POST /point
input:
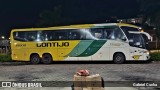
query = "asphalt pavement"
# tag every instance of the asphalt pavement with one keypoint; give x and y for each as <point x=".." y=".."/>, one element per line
<point x="64" y="71"/>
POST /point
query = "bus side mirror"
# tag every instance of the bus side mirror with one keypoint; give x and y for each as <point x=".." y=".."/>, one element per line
<point x="131" y="40"/>
<point x="124" y="38"/>
<point x="138" y="44"/>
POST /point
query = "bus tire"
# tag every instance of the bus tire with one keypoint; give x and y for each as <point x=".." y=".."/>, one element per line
<point x="47" y="59"/>
<point x="119" y="58"/>
<point x="35" y="59"/>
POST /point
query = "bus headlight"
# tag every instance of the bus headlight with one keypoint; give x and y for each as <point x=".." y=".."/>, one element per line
<point x="147" y="52"/>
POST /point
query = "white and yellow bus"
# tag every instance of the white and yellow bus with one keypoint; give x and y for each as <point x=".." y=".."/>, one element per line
<point x="96" y="42"/>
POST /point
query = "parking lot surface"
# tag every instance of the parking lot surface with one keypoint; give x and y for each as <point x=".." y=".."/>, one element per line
<point x="64" y="71"/>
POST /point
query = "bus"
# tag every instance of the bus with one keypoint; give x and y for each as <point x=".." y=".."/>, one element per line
<point x="117" y="42"/>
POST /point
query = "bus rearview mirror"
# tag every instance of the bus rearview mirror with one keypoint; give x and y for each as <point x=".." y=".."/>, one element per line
<point x="138" y="43"/>
<point x="124" y="39"/>
<point x="131" y="40"/>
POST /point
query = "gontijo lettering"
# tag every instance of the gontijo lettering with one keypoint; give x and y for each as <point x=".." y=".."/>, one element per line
<point x="53" y="44"/>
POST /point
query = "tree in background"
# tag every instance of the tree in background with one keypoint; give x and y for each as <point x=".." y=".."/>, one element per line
<point x="50" y="17"/>
<point x="151" y="11"/>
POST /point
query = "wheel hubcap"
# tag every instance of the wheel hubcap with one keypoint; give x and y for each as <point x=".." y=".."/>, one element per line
<point x="118" y="58"/>
<point x="35" y="59"/>
<point x="46" y="59"/>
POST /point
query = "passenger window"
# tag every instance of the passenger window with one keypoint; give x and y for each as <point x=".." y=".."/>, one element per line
<point x="116" y="34"/>
<point x="31" y="36"/>
<point x="50" y="35"/>
<point x="82" y="33"/>
<point x="107" y="33"/>
<point x="43" y="35"/>
<point x="61" y="35"/>
<point x="94" y="34"/>
<point x="25" y="36"/>
<point x="74" y="35"/>
<point x="97" y="33"/>
<point x="19" y="36"/>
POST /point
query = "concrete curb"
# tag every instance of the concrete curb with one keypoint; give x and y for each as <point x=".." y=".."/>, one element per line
<point x="29" y="63"/>
<point x="14" y="63"/>
<point x="153" y="51"/>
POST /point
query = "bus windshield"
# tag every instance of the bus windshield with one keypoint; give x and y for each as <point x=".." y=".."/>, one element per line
<point x="136" y="40"/>
<point x="135" y="37"/>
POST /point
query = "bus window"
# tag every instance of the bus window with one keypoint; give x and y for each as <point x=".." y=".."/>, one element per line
<point x="124" y="28"/>
<point x="97" y="33"/>
<point x="43" y="35"/>
<point x="82" y="34"/>
<point x="50" y="35"/>
<point x="25" y="36"/>
<point x="94" y="34"/>
<point x="74" y="35"/>
<point x="117" y="34"/>
<point x="31" y="36"/>
<point x="19" y="36"/>
<point x="61" y="35"/>
<point x="107" y="33"/>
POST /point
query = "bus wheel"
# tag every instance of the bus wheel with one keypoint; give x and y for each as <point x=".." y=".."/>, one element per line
<point x="119" y="58"/>
<point x="35" y="59"/>
<point x="46" y="59"/>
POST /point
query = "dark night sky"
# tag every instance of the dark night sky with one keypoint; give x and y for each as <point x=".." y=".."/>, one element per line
<point x="25" y="13"/>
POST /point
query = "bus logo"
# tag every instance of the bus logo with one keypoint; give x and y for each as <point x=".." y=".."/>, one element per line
<point x="53" y="44"/>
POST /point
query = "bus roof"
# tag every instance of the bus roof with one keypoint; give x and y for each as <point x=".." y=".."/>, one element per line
<point x="129" y="25"/>
<point x="76" y="26"/>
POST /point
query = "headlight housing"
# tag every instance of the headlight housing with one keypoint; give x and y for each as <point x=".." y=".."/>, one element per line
<point x="147" y="52"/>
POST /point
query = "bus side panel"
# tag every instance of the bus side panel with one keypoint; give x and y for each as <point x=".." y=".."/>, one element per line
<point x="102" y="53"/>
<point x="49" y="50"/>
<point x="20" y="54"/>
<point x="119" y="46"/>
<point x="137" y="54"/>
<point x="61" y="51"/>
<point x="20" y="51"/>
